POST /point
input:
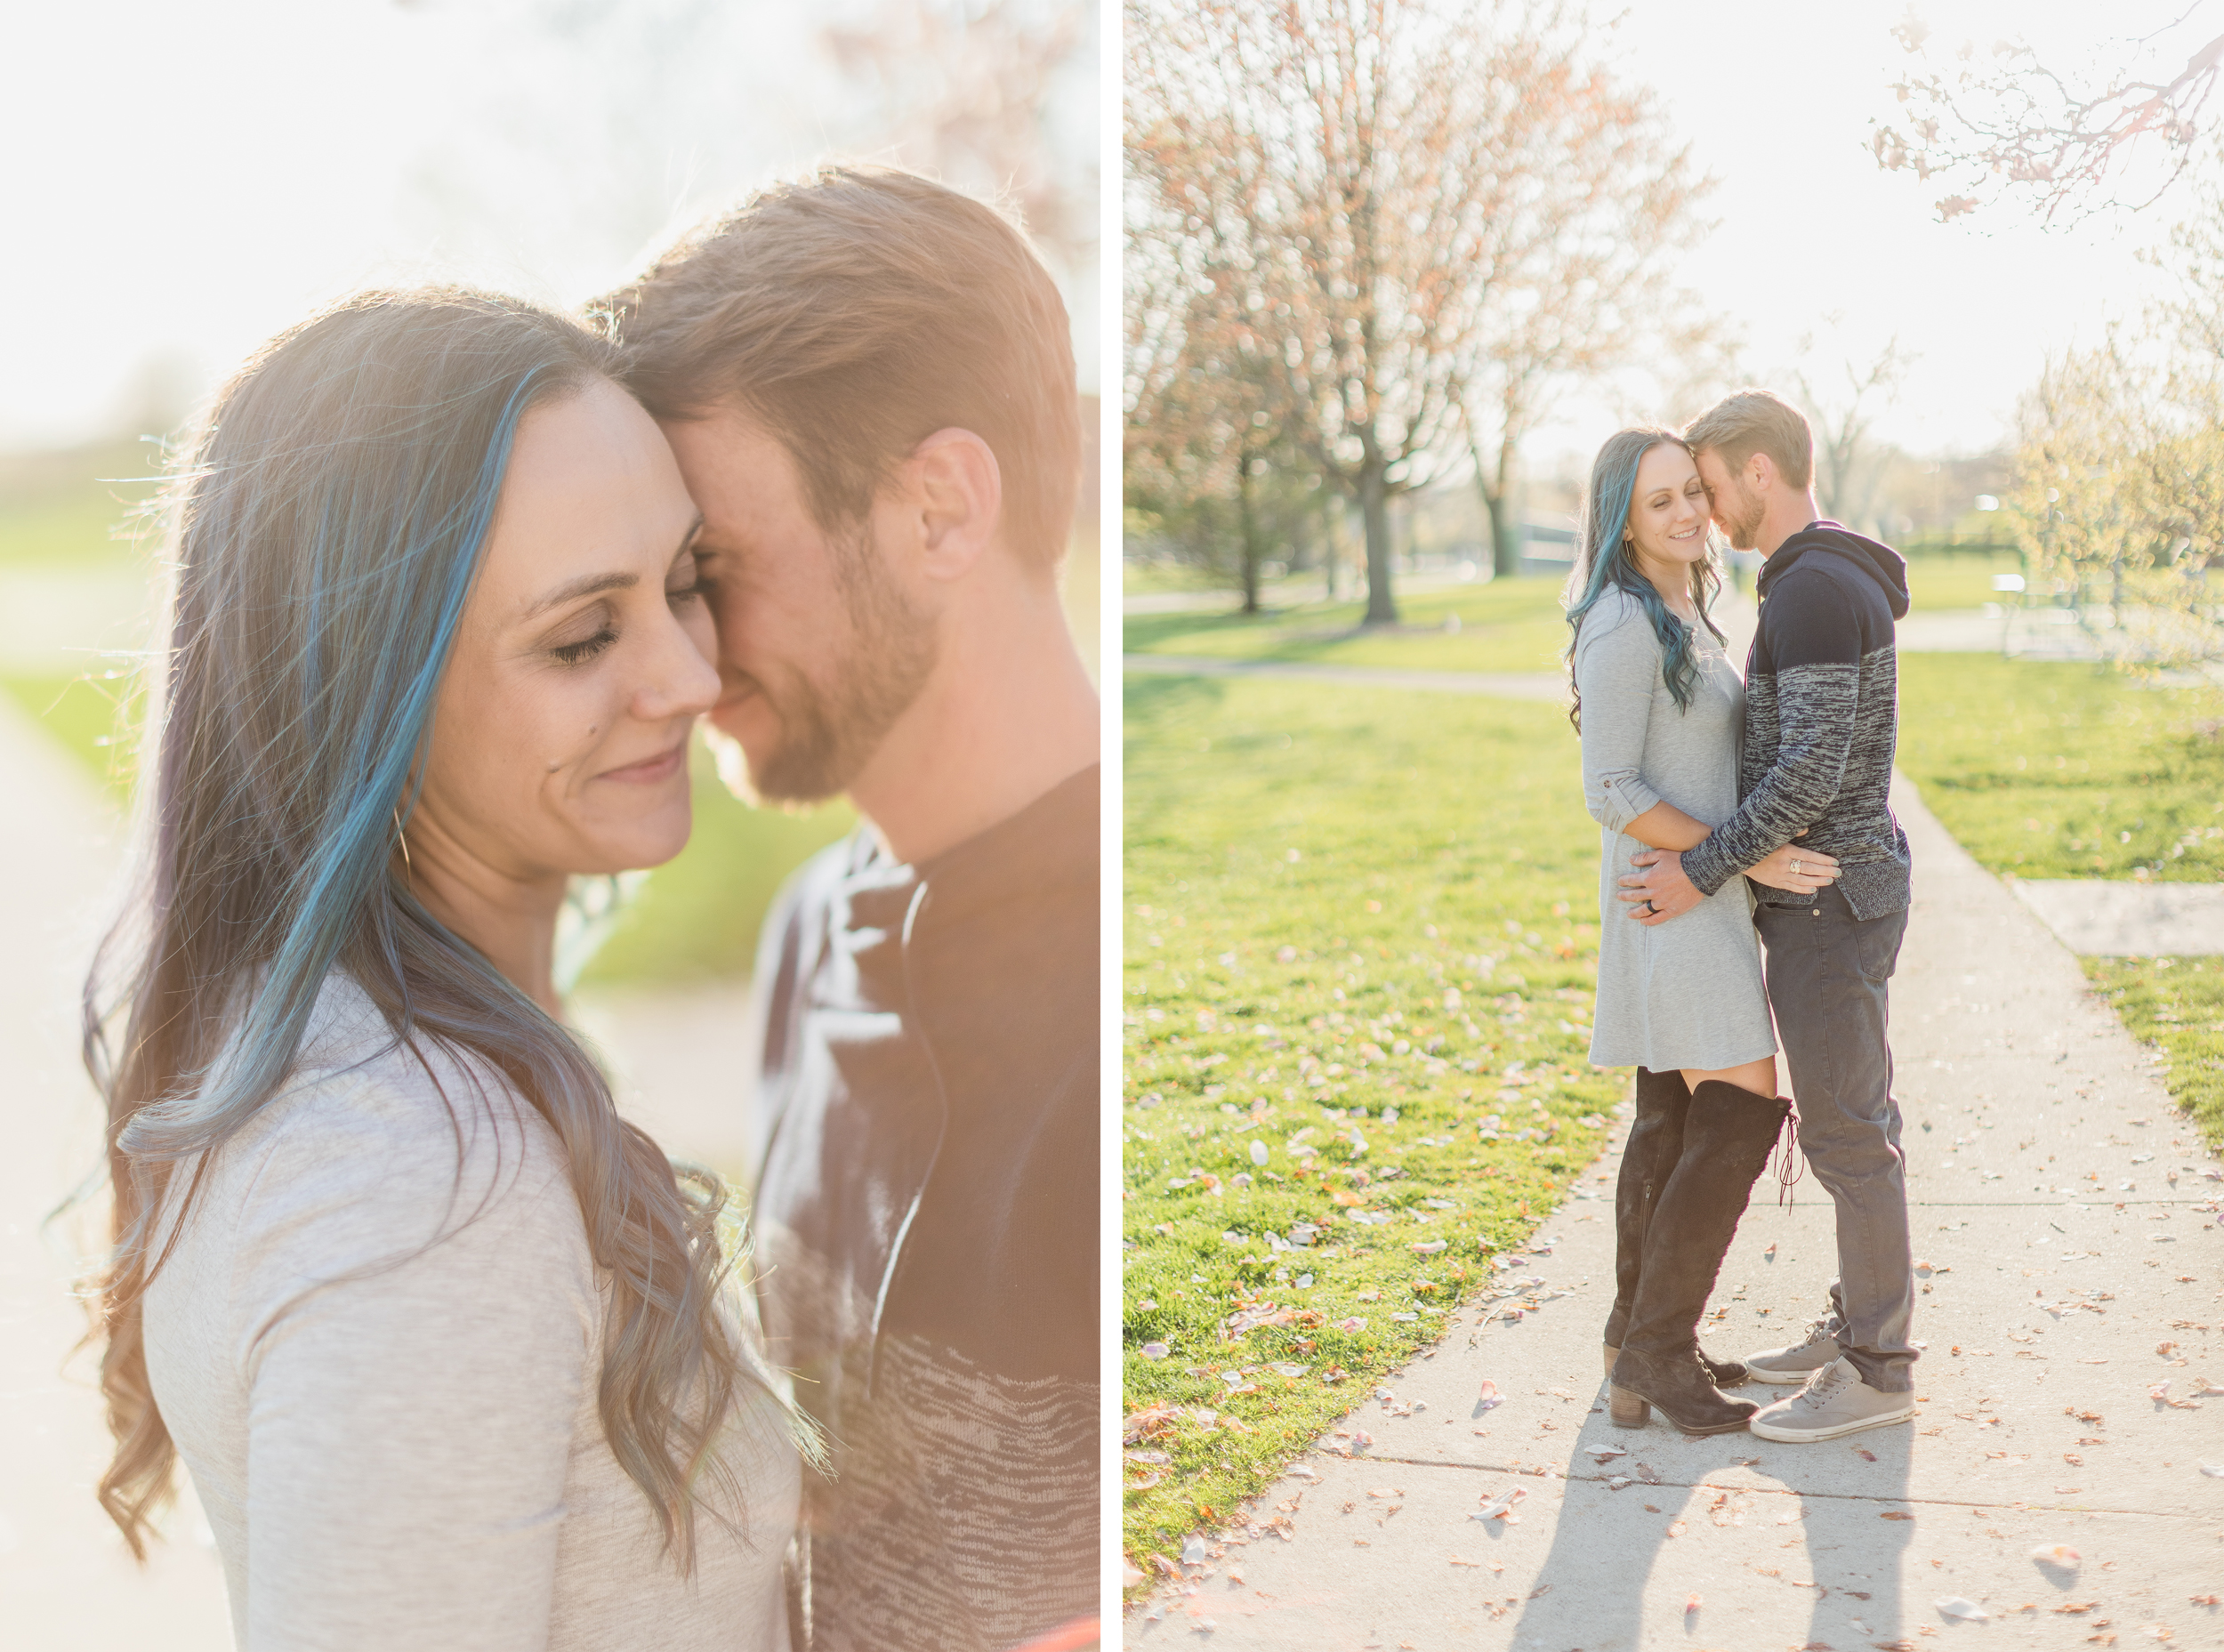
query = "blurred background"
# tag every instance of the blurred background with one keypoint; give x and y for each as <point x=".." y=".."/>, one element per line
<point x="194" y="179"/>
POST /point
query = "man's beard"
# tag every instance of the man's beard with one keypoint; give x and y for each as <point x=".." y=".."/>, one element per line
<point x="1744" y="524"/>
<point x="829" y="733"/>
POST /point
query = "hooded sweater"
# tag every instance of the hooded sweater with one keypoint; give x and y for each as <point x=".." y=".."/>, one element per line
<point x="1822" y="720"/>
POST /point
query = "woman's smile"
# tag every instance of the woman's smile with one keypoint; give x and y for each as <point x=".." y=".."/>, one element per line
<point x="651" y="770"/>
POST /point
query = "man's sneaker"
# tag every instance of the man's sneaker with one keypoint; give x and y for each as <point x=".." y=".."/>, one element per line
<point x="1835" y="1401"/>
<point x="1801" y="1360"/>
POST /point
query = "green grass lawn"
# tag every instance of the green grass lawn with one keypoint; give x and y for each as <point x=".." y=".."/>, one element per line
<point x="1942" y="583"/>
<point x="1141" y="578"/>
<point x="2047" y="771"/>
<point x="86" y="712"/>
<point x="2061" y="770"/>
<point x="1512" y="625"/>
<point x="2176" y="1006"/>
<point x="1361" y="931"/>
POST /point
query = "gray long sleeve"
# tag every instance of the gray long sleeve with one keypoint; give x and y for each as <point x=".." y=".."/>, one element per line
<point x="377" y="1344"/>
<point x="1815" y="706"/>
<point x="1617" y="672"/>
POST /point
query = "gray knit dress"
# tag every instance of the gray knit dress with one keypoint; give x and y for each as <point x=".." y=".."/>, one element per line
<point x="1687" y="993"/>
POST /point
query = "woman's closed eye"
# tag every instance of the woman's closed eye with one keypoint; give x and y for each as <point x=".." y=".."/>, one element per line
<point x="584" y="649"/>
<point x="583" y="635"/>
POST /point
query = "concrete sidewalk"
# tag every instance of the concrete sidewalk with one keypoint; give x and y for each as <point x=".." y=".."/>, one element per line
<point x="2065" y="1214"/>
<point x="1505" y="685"/>
<point x="67" y="1583"/>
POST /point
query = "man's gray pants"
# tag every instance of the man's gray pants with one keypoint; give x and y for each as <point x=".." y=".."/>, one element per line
<point x="1828" y="974"/>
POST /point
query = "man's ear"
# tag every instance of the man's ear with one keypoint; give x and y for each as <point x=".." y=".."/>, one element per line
<point x="958" y="490"/>
<point x="1761" y="472"/>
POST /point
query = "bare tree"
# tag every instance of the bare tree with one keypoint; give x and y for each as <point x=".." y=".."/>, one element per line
<point x="1206" y="436"/>
<point x="966" y="89"/>
<point x="1401" y="193"/>
<point x="1594" y="295"/>
<point x="1849" y="462"/>
<point x="2069" y="139"/>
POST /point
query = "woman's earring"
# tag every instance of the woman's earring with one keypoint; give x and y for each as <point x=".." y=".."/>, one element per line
<point x="402" y="838"/>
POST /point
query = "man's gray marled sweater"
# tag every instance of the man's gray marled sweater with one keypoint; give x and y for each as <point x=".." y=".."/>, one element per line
<point x="1822" y="720"/>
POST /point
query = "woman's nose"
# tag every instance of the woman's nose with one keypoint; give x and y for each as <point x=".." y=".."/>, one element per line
<point x="680" y="682"/>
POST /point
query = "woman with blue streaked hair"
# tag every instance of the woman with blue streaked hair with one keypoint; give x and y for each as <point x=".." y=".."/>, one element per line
<point x="1660" y="709"/>
<point x="451" y="1350"/>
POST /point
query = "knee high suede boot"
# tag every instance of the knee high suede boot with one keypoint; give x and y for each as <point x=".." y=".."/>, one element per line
<point x="1727" y="1136"/>
<point x="1649" y="1158"/>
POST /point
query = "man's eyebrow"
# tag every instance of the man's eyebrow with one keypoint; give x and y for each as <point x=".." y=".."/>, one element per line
<point x="585" y="586"/>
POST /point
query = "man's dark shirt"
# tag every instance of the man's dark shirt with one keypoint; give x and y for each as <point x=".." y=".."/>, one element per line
<point x="1822" y="720"/>
<point x="926" y="1222"/>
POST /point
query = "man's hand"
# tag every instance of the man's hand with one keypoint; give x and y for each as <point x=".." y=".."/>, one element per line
<point x="1662" y="891"/>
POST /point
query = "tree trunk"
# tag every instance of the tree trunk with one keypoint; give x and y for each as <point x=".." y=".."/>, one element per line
<point x="1248" y="516"/>
<point x="1505" y="533"/>
<point x="1381" y="605"/>
<point x="1331" y="537"/>
<point x="1506" y="536"/>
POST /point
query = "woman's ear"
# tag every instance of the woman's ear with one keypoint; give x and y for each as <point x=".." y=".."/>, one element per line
<point x="959" y="491"/>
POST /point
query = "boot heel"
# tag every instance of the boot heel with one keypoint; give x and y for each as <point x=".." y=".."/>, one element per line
<point x="1626" y="1410"/>
<point x="1613" y="1354"/>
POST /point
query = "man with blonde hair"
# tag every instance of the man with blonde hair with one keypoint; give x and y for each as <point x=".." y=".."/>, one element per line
<point x="868" y="381"/>
<point x="1821" y="722"/>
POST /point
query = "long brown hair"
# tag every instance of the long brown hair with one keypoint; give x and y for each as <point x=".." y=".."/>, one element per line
<point x="329" y="525"/>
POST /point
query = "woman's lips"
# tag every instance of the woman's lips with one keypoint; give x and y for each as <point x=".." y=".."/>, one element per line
<point x="650" y="770"/>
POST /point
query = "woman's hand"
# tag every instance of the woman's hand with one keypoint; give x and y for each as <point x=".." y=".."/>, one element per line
<point x="1802" y="871"/>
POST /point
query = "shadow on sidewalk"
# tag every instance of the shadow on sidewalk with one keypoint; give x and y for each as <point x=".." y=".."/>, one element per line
<point x="1856" y="1542"/>
<point x="1723" y="1523"/>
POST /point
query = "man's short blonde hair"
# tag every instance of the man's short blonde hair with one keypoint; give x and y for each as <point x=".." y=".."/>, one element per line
<point x="1747" y="422"/>
<point x="854" y="314"/>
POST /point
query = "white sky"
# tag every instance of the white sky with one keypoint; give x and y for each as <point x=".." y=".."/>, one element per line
<point x="1776" y="97"/>
<point x="185" y="181"/>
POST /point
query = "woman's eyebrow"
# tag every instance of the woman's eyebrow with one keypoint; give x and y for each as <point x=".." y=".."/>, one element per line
<point x="585" y="586"/>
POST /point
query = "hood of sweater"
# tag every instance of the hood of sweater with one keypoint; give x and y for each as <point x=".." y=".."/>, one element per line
<point x="1839" y="543"/>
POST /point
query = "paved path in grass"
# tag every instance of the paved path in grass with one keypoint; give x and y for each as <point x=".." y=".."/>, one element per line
<point x="1283" y="593"/>
<point x="2119" y="918"/>
<point x="2067" y="1217"/>
<point x="67" y="1584"/>
<point x="1512" y="685"/>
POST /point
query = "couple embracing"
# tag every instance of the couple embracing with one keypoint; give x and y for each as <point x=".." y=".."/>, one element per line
<point x="456" y="1357"/>
<point x="1742" y="817"/>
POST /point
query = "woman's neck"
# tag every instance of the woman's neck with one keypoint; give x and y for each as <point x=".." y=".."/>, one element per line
<point x="1674" y="582"/>
<point x="511" y="920"/>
